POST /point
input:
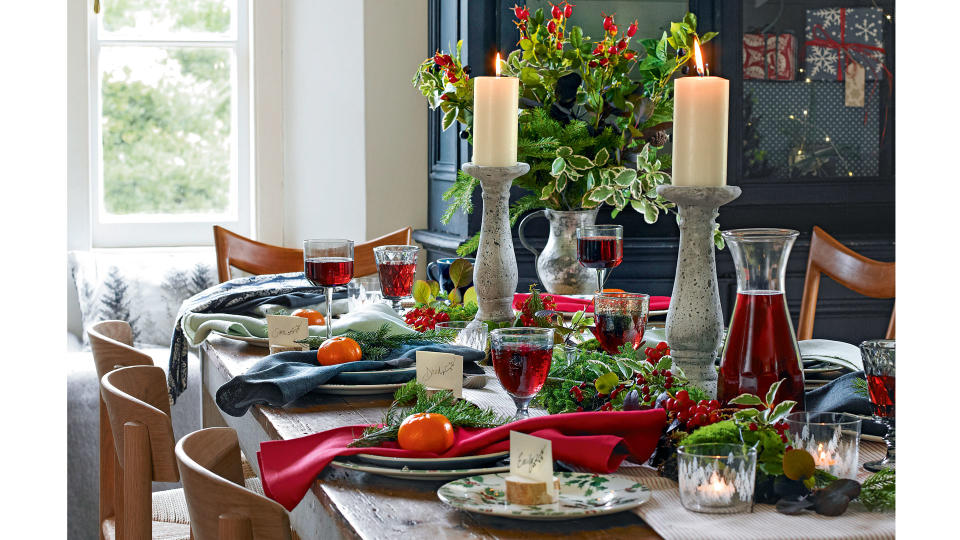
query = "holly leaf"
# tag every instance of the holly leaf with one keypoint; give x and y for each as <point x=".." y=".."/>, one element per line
<point x="461" y="272"/>
<point x="579" y="162"/>
<point x="772" y="392"/>
<point x="746" y="399"/>
<point x="449" y="118"/>
<point x="564" y="151"/>
<point x="780" y="412"/>
<point x="601" y="193"/>
<point x="601" y="158"/>
<point x="558" y="166"/>
<point x="626" y="177"/>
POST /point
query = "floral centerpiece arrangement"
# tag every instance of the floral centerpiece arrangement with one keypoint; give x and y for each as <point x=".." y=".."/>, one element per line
<point x="593" y="112"/>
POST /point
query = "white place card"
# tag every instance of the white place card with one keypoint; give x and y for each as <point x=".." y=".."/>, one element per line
<point x="284" y="330"/>
<point x="532" y="458"/>
<point x="443" y="371"/>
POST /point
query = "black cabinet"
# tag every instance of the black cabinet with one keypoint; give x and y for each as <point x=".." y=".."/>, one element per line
<point x="850" y="196"/>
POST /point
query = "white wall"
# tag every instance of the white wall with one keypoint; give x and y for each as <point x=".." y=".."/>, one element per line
<point x="355" y="130"/>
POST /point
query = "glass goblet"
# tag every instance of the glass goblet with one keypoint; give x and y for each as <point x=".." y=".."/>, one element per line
<point x="521" y="358"/>
<point x="600" y="247"/>
<point x="879" y="366"/>
<point x="396" y="266"/>
<point x="619" y="319"/>
<point x="328" y="264"/>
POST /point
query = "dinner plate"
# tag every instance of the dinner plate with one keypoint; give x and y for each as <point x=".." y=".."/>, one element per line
<point x="358" y="389"/>
<point x="581" y="495"/>
<point x="407" y="473"/>
<point x="255" y="341"/>
<point x="351" y="378"/>
<point x="462" y="462"/>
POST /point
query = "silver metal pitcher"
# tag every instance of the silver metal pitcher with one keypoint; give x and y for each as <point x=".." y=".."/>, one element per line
<point x="557" y="266"/>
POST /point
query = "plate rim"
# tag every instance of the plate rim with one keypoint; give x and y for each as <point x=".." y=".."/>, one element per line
<point x="395" y="459"/>
<point x="375" y="388"/>
<point x="571" y="514"/>
<point x="432" y="474"/>
<point x="253" y="340"/>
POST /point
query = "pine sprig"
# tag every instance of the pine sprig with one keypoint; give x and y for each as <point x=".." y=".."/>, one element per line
<point x="879" y="492"/>
<point x="861" y="388"/>
<point x="412" y="398"/>
<point x="378" y="343"/>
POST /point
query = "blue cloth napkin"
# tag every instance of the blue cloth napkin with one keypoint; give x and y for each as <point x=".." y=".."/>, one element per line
<point x="237" y="296"/>
<point x="282" y="378"/>
<point x="839" y="395"/>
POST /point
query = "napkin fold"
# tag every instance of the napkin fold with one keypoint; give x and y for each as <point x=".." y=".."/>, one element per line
<point x="597" y="441"/>
<point x="279" y="379"/>
<point x="839" y="395"/>
<point x="570" y="304"/>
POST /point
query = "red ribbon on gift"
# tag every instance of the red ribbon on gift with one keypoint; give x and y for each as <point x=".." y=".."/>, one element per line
<point x="869" y="51"/>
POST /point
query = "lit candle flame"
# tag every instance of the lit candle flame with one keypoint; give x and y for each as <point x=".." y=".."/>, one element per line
<point x="823" y="458"/>
<point x="698" y="57"/>
<point x="498" y="65"/>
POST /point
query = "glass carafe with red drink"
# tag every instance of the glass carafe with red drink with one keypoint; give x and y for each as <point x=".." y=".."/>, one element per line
<point x="600" y="247"/>
<point x="761" y="346"/>
<point x="328" y="264"/>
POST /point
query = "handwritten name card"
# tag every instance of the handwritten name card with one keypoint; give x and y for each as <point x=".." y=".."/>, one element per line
<point x="443" y="371"/>
<point x="532" y="458"/>
<point x="284" y="331"/>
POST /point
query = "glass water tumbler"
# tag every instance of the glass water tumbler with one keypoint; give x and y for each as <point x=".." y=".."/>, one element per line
<point x="761" y="346"/>
<point x="833" y="439"/>
<point x="879" y="365"/>
<point x="396" y="266"/>
<point x="717" y="478"/>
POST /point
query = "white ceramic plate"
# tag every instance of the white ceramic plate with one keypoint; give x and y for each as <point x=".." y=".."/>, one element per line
<point x="418" y="474"/>
<point x="255" y="341"/>
<point x="358" y="389"/>
<point x="581" y="495"/>
<point x="462" y="462"/>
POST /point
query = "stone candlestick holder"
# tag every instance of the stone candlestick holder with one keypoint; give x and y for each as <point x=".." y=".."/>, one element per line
<point x="495" y="270"/>
<point x="694" y="321"/>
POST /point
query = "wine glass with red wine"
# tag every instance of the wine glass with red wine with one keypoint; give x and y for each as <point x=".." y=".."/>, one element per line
<point x="328" y="264"/>
<point x="396" y="266"/>
<point x="521" y="358"/>
<point x="619" y="319"/>
<point x="600" y="247"/>
<point x="879" y="366"/>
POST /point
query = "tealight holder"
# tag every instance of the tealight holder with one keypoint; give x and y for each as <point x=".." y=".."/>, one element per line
<point x="833" y="439"/>
<point x="717" y="478"/>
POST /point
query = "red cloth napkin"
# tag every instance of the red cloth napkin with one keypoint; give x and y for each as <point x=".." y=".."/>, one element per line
<point x="567" y="304"/>
<point x="599" y="441"/>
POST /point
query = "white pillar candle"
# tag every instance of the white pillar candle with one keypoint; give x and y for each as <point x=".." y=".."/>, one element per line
<point x="701" y="107"/>
<point x="495" y="103"/>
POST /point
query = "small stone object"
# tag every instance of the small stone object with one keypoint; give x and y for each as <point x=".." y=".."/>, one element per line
<point x="495" y="270"/>
<point x="695" y="322"/>
<point x="524" y="491"/>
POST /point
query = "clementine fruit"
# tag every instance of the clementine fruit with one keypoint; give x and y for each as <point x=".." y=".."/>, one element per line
<point x="338" y="350"/>
<point x="426" y="432"/>
<point x="312" y="316"/>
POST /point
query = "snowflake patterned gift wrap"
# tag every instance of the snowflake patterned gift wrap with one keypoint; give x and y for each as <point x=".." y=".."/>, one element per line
<point x="836" y="36"/>
<point x="778" y="52"/>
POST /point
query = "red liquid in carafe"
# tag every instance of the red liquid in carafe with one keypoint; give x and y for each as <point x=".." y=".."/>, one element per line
<point x="761" y="349"/>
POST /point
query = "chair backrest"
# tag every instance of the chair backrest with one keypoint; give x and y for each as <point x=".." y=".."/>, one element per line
<point x="209" y="462"/>
<point x="112" y="345"/>
<point x="861" y="274"/>
<point x="138" y="395"/>
<point x="251" y="256"/>
<point x="255" y="257"/>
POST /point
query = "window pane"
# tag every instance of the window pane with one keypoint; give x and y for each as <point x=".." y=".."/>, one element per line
<point x="153" y="19"/>
<point x="166" y="130"/>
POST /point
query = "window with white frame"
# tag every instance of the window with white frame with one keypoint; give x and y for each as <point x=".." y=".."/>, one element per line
<point x="169" y="121"/>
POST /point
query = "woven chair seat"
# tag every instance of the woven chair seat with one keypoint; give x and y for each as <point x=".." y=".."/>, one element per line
<point x="170" y="506"/>
<point x="160" y="530"/>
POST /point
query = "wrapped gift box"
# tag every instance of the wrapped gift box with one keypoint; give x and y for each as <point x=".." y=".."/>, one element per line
<point x="770" y="56"/>
<point x="835" y="36"/>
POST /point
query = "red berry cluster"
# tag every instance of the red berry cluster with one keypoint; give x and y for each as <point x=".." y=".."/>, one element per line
<point x="526" y="312"/>
<point x="780" y="426"/>
<point x="577" y="393"/>
<point x="423" y="319"/>
<point x="693" y="414"/>
<point x="445" y="61"/>
<point x="610" y="48"/>
<point x="655" y="354"/>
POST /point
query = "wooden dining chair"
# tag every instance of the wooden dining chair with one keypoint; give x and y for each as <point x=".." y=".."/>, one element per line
<point x="863" y="275"/>
<point x="257" y="258"/>
<point x="220" y="506"/>
<point x="138" y="408"/>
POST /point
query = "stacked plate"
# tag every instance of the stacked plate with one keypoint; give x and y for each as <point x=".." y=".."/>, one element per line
<point x="425" y="468"/>
<point x="824" y="360"/>
<point x="355" y="383"/>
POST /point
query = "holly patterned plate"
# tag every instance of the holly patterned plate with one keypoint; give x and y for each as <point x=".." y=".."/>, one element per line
<point x="581" y="495"/>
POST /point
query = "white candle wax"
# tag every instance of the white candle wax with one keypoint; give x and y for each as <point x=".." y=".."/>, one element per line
<point x="716" y="490"/>
<point x="700" y="111"/>
<point x="495" y="103"/>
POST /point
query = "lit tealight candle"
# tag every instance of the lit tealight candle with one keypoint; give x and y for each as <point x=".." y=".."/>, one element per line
<point x="495" y="104"/>
<point x="823" y="458"/>
<point x="700" y="111"/>
<point x="716" y="490"/>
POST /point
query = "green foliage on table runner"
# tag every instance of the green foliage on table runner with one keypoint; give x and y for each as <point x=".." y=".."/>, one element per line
<point x="879" y="492"/>
<point x="377" y="344"/>
<point x="412" y="398"/>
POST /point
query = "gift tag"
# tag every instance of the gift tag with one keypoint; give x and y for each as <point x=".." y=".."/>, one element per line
<point x="532" y="458"/>
<point x="284" y="331"/>
<point x="854" y="85"/>
<point x="443" y="371"/>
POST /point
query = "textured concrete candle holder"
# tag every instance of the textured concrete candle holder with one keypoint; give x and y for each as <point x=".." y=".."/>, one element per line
<point x="695" y="322"/>
<point x="495" y="271"/>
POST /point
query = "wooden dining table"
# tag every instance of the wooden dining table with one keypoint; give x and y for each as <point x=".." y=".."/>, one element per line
<point x="349" y="504"/>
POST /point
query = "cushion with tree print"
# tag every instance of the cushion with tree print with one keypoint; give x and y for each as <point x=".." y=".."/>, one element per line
<point x="144" y="287"/>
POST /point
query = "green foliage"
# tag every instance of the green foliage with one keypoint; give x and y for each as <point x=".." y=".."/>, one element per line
<point x="879" y="492"/>
<point x="412" y="398"/>
<point x="378" y="343"/>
